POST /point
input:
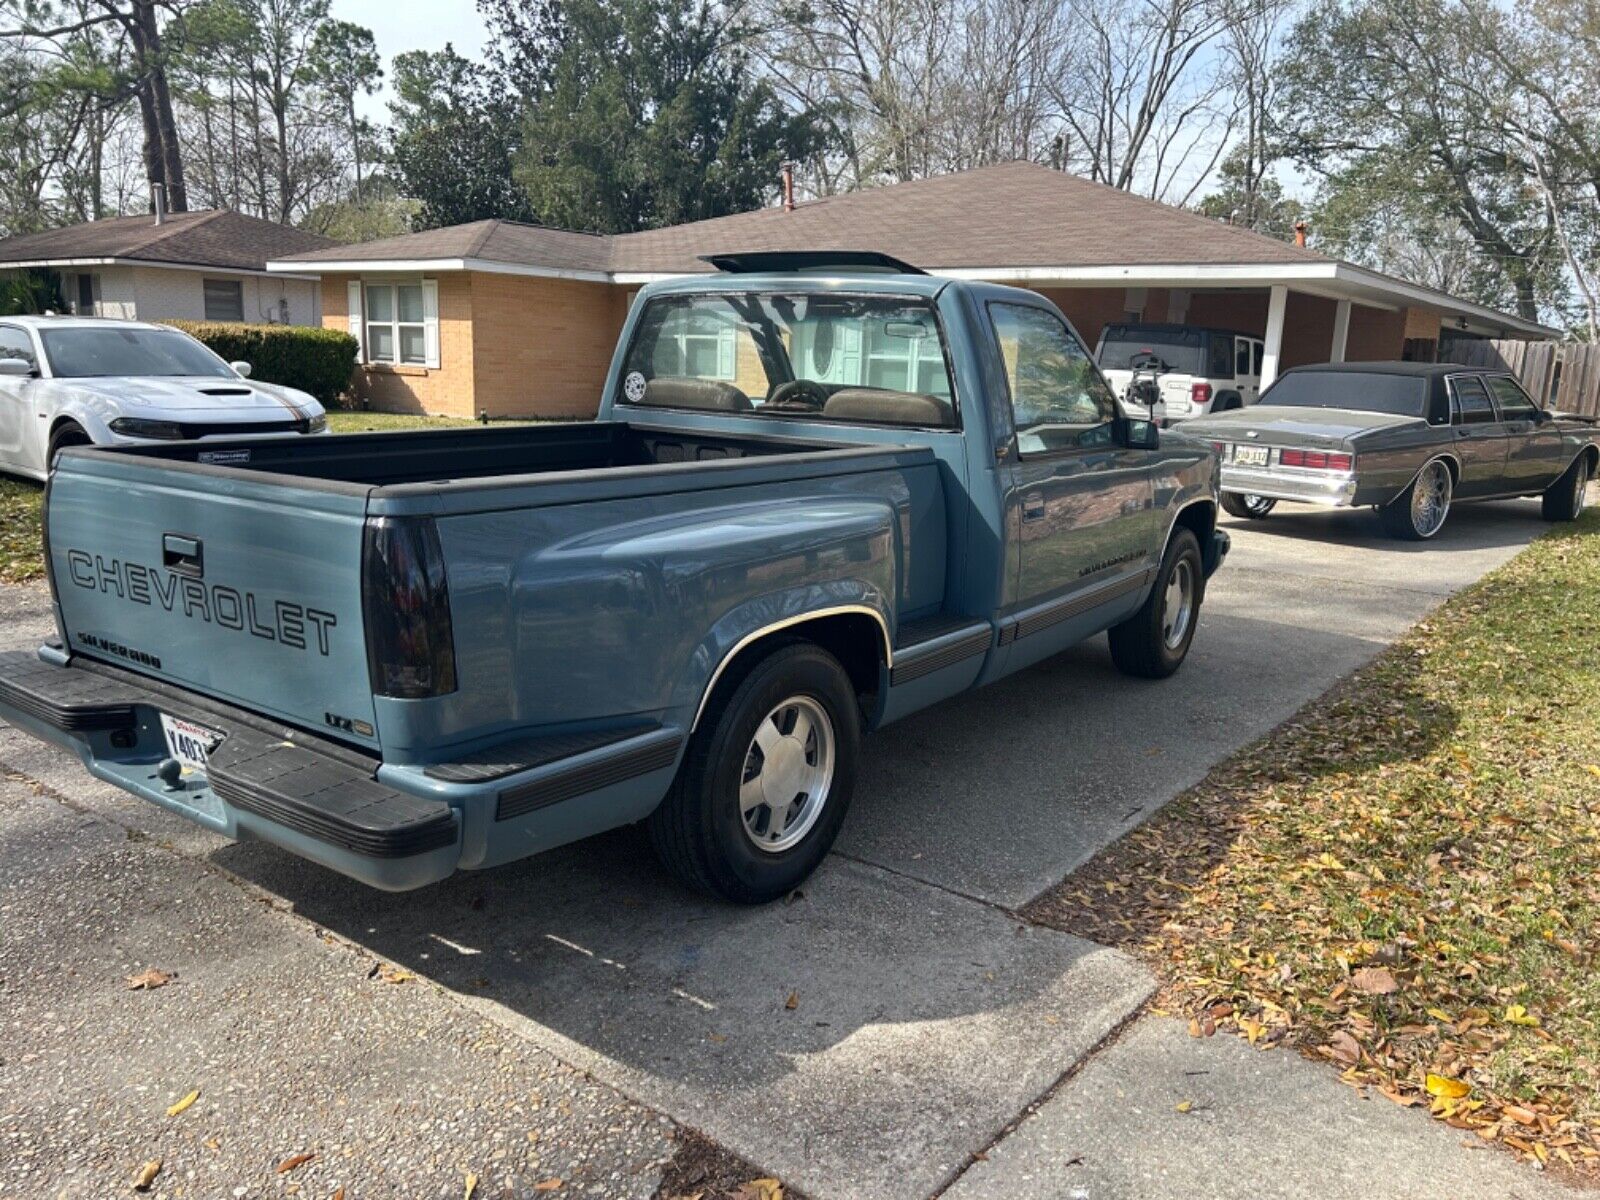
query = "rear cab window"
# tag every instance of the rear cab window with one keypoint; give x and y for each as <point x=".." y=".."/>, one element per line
<point x="865" y="359"/>
<point x="1059" y="399"/>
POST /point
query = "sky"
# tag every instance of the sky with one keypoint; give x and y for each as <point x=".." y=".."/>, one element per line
<point x="401" y="25"/>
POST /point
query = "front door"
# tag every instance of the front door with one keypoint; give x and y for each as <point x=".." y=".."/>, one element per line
<point x="1480" y="441"/>
<point x="16" y="399"/>
<point x="1533" y="447"/>
<point x="1083" y="505"/>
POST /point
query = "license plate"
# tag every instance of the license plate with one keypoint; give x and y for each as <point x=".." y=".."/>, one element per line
<point x="1250" y="456"/>
<point x="188" y="742"/>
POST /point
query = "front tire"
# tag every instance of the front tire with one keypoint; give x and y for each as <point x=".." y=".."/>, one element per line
<point x="1565" y="498"/>
<point x="1246" y="505"/>
<point x="767" y="779"/>
<point x="1419" y="512"/>
<point x="1153" y="643"/>
<point x="67" y="434"/>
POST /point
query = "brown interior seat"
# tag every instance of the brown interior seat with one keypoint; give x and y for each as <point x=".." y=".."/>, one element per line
<point x="673" y="391"/>
<point x="888" y="408"/>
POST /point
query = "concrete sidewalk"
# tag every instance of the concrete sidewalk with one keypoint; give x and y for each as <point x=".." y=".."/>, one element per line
<point x="928" y="1021"/>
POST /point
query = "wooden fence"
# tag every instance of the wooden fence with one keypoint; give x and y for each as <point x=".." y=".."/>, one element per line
<point x="1564" y="377"/>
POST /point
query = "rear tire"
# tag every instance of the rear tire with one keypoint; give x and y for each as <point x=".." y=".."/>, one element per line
<point x="1153" y="643"/>
<point x="1565" y="498"/>
<point x="67" y="434"/>
<point x="1419" y="512"/>
<point x="1247" y="506"/>
<point x="723" y="828"/>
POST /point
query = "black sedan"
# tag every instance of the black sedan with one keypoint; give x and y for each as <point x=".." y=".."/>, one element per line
<point x="1408" y="439"/>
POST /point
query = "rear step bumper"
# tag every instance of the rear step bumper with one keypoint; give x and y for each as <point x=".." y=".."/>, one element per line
<point x="318" y="799"/>
<point x="391" y="826"/>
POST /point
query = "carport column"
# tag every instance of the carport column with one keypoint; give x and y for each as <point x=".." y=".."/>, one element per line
<point x="1274" y="339"/>
<point x="1341" y="331"/>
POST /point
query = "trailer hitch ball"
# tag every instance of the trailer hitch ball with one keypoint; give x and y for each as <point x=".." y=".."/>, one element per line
<point x="171" y="773"/>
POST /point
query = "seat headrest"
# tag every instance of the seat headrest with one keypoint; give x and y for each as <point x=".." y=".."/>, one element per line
<point x="675" y="391"/>
<point x="888" y="408"/>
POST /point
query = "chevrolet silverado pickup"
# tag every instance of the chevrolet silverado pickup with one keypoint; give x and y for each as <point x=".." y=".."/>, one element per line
<point x="819" y="496"/>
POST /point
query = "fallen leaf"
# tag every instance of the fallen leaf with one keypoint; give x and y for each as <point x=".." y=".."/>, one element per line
<point x="793" y="1002"/>
<point x="760" y="1189"/>
<point x="293" y="1161"/>
<point x="338" y="1194"/>
<point x="547" y="1185"/>
<point x="1522" y="1116"/>
<point x="472" y="1185"/>
<point x="184" y="1103"/>
<point x="1374" y="981"/>
<point x="395" y="975"/>
<point x="147" y="1175"/>
<point x="1516" y="1014"/>
<point x="1592" y="769"/>
<point x="1345" y="1048"/>
<point x="1185" y="1105"/>
<point x="1447" y="1088"/>
<point x="149" y="980"/>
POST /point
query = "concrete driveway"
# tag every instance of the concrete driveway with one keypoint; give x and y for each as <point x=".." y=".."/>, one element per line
<point x="873" y="1036"/>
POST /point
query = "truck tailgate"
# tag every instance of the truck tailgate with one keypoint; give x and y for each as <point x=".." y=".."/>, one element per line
<point x="241" y="587"/>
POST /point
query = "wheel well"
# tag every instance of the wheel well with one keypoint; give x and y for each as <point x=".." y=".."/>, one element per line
<point x="1200" y="518"/>
<point x="62" y="423"/>
<point x="1592" y="453"/>
<point x="856" y="639"/>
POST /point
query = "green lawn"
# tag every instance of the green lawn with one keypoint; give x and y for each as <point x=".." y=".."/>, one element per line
<point x="1403" y="879"/>
<point x="19" y="500"/>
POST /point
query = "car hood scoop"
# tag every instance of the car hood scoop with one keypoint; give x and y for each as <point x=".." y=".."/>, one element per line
<point x="226" y="391"/>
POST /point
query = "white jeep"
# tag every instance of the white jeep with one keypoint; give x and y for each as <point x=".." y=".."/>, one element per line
<point x="1173" y="372"/>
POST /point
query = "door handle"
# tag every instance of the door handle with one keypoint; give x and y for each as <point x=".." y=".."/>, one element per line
<point x="183" y="555"/>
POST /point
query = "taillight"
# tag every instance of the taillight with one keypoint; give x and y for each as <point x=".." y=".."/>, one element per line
<point x="405" y="602"/>
<point x="1317" y="460"/>
<point x="1199" y="393"/>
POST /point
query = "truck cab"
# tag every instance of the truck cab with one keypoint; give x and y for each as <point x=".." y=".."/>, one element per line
<point x="822" y="492"/>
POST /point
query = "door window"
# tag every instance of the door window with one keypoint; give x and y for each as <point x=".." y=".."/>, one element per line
<point x="1470" y="401"/>
<point x="1241" y="356"/>
<point x="1513" y="401"/>
<point x="15" y="343"/>
<point x="1058" y="398"/>
<point x="1258" y="350"/>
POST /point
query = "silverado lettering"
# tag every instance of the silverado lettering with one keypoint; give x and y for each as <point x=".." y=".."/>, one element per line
<point x="275" y="621"/>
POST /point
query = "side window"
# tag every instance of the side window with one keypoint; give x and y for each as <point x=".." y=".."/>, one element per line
<point x="1241" y="356"/>
<point x="15" y="343"/>
<point x="1258" y="352"/>
<point x="1470" y="401"/>
<point x="1058" y="398"/>
<point x="1220" y="362"/>
<point x="1513" y="401"/>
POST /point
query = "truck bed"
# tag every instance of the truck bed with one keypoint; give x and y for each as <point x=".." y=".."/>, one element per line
<point x="482" y="453"/>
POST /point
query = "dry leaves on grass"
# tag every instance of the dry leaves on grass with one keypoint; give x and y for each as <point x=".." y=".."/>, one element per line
<point x="1401" y="879"/>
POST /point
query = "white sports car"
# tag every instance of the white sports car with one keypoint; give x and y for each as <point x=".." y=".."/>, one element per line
<point x="77" y="381"/>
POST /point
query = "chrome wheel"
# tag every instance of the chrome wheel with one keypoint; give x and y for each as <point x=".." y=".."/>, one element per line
<point x="788" y="770"/>
<point x="1177" y="606"/>
<point x="1430" y="499"/>
<point x="1259" y="506"/>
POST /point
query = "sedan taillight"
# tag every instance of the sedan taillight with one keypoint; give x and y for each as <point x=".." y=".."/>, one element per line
<point x="1316" y="460"/>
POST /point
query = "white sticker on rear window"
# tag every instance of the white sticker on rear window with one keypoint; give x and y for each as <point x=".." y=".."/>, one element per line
<point x="633" y="387"/>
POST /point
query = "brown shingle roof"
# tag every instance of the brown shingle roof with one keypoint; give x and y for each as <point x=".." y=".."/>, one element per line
<point x="210" y="238"/>
<point x="493" y="241"/>
<point x="1015" y="214"/>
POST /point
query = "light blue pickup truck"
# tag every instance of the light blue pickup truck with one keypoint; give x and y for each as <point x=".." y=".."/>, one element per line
<point x="823" y="492"/>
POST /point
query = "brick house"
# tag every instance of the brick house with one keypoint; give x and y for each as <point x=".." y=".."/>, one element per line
<point x="209" y="265"/>
<point x="507" y="319"/>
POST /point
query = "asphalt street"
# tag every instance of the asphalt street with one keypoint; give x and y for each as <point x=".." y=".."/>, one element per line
<point x="935" y="1043"/>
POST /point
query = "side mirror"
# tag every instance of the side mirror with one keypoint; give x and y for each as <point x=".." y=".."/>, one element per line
<point x="1134" y="433"/>
<point x="243" y="368"/>
<point x="16" y="367"/>
<point x="1542" y="415"/>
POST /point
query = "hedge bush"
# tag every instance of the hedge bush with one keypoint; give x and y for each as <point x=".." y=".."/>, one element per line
<point x="319" y="361"/>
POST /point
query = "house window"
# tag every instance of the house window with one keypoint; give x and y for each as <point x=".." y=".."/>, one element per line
<point x="88" y="293"/>
<point x="224" y="300"/>
<point x="396" y="331"/>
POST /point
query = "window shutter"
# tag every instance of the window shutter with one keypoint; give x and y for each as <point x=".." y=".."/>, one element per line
<point x="353" y="316"/>
<point x="430" y="321"/>
<point x="726" y="346"/>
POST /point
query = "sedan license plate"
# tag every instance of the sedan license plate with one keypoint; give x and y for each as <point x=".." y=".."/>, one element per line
<point x="1250" y="456"/>
<point x="188" y="742"/>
